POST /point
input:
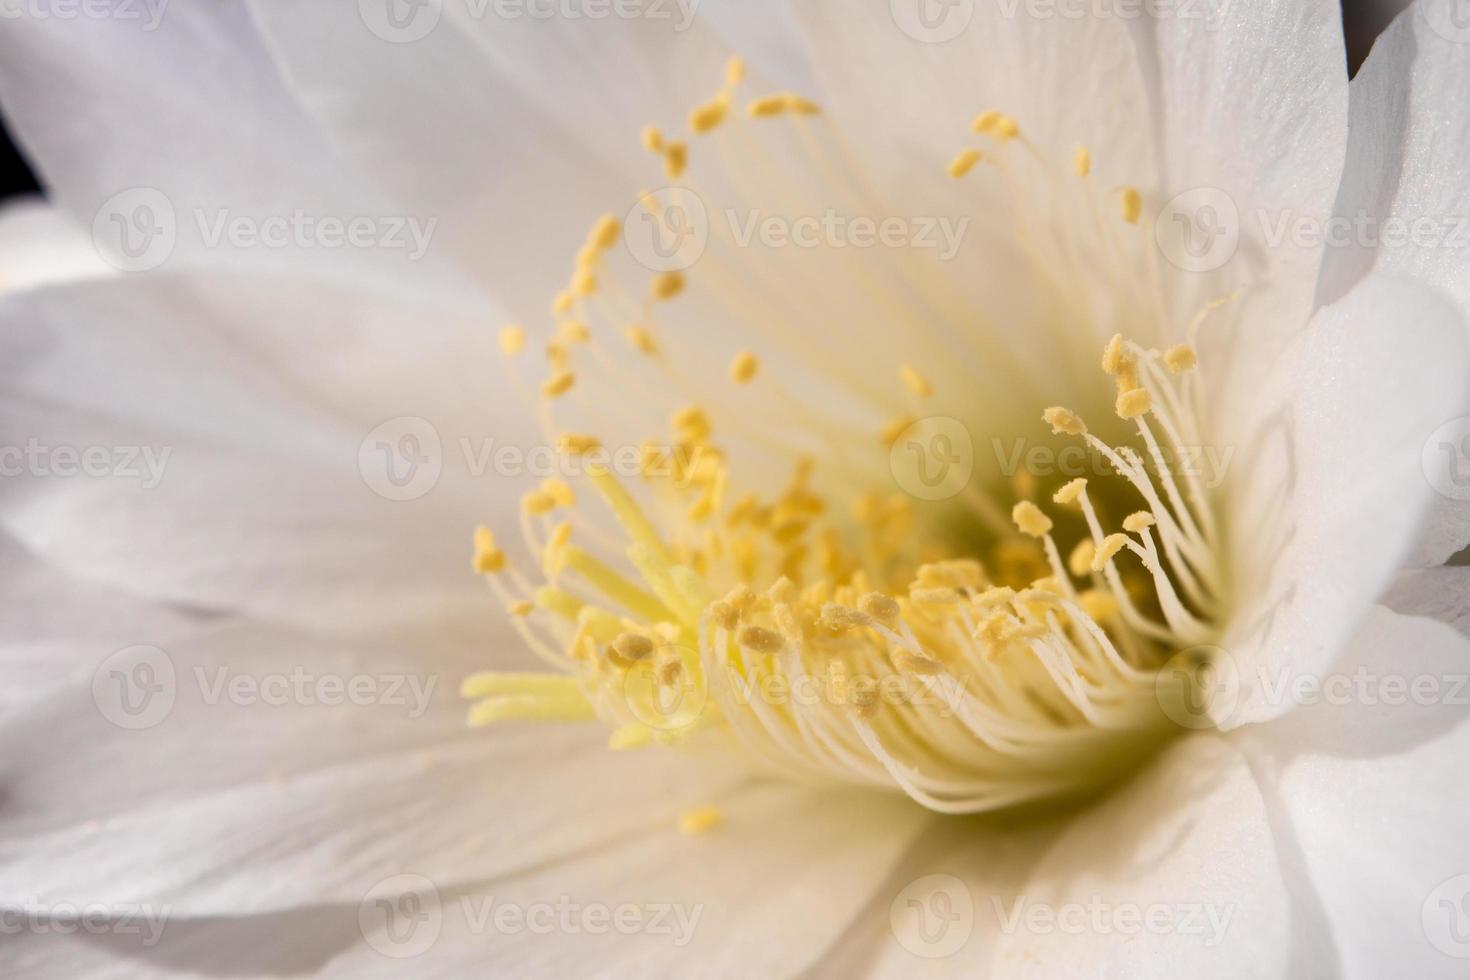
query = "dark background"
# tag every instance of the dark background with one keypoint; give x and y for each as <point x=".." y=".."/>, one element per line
<point x="1362" y="22"/>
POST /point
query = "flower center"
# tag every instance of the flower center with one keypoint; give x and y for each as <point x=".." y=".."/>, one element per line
<point x="836" y="629"/>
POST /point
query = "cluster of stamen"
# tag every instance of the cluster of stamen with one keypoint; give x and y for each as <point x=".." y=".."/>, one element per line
<point x="825" y="636"/>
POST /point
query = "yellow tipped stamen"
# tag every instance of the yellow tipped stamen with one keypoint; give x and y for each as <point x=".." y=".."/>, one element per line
<point x="1134" y="404"/>
<point x="559" y="492"/>
<point x="577" y="443"/>
<point x="537" y="503"/>
<point x="1080" y="561"/>
<point x="1031" y="520"/>
<point x="762" y="640"/>
<point x="558" y="384"/>
<point x="1069" y="493"/>
<point x="1082" y="161"/>
<point x="985" y="122"/>
<point x="667" y="285"/>
<point x="676" y="159"/>
<point x="605" y="233"/>
<point x="892" y="430"/>
<point x="492" y="684"/>
<point x="1064" y="422"/>
<point x="488" y="558"/>
<point x="512" y="340"/>
<point x="1180" y="359"/>
<point x="744" y="367"/>
<point x="1139" y="522"/>
<point x="1132" y="205"/>
<point x="1108" y="550"/>
<point x="704" y="118"/>
<point x="531" y="708"/>
<point x="915" y="382"/>
<point x="563" y="303"/>
<point x="734" y="71"/>
<point x="964" y="163"/>
<point x="632" y="647"/>
<point x="770" y="105"/>
<point x="702" y="821"/>
<point x="653" y="140"/>
<point x="630" y="736"/>
<point x="1112" y="357"/>
<point x="641" y="340"/>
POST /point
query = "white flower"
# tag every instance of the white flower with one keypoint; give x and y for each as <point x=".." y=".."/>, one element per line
<point x="234" y="631"/>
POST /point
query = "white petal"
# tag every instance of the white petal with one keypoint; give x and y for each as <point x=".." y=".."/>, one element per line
<point x="1371" y="780"/>
<point x="1326" y="486"/>
<point x="1405" y="198"/>
<point x="40" y="245"/>
<point x="763" y="896"/>
<point x="207" y="125"/>
<point x="1176" y="875"/>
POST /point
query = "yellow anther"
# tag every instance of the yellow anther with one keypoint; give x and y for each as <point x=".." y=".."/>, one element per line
<point x="653" y="140"/>
<point x="1082" y="161"/>
<point x="1180" y="358"/>
<point x="558" y="384"/>
<point x="584" y="283"/>
<point x="512" y="340"/>
<point x="1080" y="561"/>
<point x="1133" y="404"/>
<point x="1064" y="422"/>
<point x="770" y="105"/>
<point x="573" y="332"/>
<point x="667" y="285"/>
<point x="762" y="640"/>
<point x="1139" y="522"/>
<point x="842" y="617"/>
<point x="692" y="423"/>
<point x="1111" y="545"/>
<point x="1112" y="357"/>
<point x="997" y="124"/>
<point x="744" y="367"/>
<point x="559" y="492"/>
<point x="915" y="382"/>
<point x="702" y="821"/>
<point x="906" y="661"/>
<point x="934" y="597"/>
<point x="488" y="557"/>
<point x="521" y="608"/>
<point x="801" y="106"/>
<point x="986" y="121"/>
<point x="1069" y="493"/>
<point x="1099" y="605"/>
<point x="1030" y="519"/>
<point x="1132" y="205"/>
<point x="537" y="503"/>
<point x="704" y="118"/>
<point x="577" y="443"/>
<point x="880" y="607"/>
<point x="642" y="340"/>
<point x="631" y="647"/>
<point x="996" y="597"/>
<point x="562" y="303"/>
<point x="605" y="233"/>
<point x="676" y="159"/>
<point x="964" y="162"/>
<point x="894" y="429"/>
<point x="725" y="616"/>
<point x="734" y="70"/>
